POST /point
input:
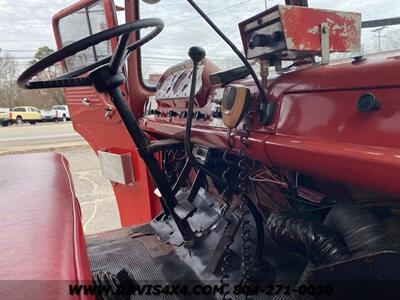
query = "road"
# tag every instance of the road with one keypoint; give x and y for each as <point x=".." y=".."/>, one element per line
<point x="13" y="138"/>
<point x="96" y="197"/>
<point x="94" y="192"/>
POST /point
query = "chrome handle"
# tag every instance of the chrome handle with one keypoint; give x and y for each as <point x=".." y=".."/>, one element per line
<point x="109" y="112"/>
<point x="86" y="101"/>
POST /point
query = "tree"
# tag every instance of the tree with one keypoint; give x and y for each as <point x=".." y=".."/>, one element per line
<point x="41" y="53"/>
<point x="8" y="74"/>
<point x="56" y="96"/>
<point x="11" y="95"/>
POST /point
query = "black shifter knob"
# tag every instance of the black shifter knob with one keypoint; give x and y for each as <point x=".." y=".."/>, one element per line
<point x="197" y="54"/>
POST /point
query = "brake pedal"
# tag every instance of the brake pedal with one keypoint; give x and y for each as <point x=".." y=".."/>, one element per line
<point x="184" y="209"/>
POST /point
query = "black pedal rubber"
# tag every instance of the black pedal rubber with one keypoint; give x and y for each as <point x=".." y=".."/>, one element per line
<point x="184" y="209"/>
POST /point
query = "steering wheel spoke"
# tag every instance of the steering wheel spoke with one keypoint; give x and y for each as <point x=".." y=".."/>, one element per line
<point x="59" y="83"/>
<point x="120" y="54"/>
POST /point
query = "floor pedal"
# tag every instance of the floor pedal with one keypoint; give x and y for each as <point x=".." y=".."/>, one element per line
<point x="219" y="251"/>
<point x="184" y="209"/>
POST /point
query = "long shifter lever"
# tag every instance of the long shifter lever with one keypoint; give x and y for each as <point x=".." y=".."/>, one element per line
<point x="197" y="54"/>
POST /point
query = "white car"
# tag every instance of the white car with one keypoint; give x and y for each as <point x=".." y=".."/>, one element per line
<point x="62" y="112"/>
<point x="48" y="115"/>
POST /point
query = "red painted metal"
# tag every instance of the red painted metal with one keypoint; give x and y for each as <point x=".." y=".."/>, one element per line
<point x="300" y="29"/>
<point x="301" y="26"/>
<point x="318" y="129"/>
<point x="138" y="92"/>
<point x="373" y="168"/>
<point x="137" y="203"/>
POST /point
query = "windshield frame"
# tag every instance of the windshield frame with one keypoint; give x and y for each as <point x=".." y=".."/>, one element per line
<point x="148" y="87"/>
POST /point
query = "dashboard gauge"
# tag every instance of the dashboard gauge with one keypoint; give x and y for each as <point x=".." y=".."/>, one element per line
<point x="176" y="81"/>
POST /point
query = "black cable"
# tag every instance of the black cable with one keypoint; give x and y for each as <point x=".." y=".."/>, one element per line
<point x="253" y="185"/>
<point x="320" y="207"/>
<point x="258" y="219"/>
<point x="266" y="106"/>
<point x="305" y="202"/>
<point x="270" y="195"/>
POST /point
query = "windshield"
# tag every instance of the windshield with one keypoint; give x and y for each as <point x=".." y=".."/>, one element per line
<point x="185" y="28"/>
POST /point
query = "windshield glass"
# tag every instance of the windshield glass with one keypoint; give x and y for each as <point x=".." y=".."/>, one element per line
<point x="185" y="28"/>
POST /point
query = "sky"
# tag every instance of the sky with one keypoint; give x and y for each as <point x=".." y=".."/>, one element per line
<point x="25" y="25"/>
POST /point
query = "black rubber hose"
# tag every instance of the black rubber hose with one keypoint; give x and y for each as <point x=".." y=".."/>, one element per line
<point x="360" y="229"/>
<point x="312" y="240"/>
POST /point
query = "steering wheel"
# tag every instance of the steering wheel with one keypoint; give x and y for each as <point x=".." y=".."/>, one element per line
<point x="114" y="61"/>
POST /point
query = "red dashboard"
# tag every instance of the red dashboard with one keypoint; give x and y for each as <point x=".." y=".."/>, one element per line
<point x="317" y="129"/>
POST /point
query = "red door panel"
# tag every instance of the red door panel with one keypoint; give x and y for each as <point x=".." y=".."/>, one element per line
<point x="137" y="203"/>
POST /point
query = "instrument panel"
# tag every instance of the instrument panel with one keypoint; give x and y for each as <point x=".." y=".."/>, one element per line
<point x="175" y="112"/>
<point x="176" y="81"/>
<point x="169" y="104"/>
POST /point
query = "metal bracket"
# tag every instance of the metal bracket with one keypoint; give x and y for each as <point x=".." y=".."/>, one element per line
<point x="116" y="167"/>
<point x="324" y="43"/>
<point x="86" y="101"/>
<point x="278" y="66"/>
<point x="109" y="111"/>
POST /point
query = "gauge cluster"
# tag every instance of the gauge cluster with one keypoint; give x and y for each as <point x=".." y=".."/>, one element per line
<point x="176" y="111"/>
<point x="169" y="103"/>
<point x="168" y="106"/>
<point x="176" y="81"/>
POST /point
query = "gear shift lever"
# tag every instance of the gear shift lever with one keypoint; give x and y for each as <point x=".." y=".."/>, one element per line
<point x="197" y="54"/>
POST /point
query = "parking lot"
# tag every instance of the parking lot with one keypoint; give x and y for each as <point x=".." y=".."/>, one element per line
<point x="95" y="194"/>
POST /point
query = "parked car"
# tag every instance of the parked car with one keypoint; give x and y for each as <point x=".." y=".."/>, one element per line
<point x="62" y="112"/>
<point x="49" y="115"/>
<point x="21" y="114"/>
<point x="4" y="116"/>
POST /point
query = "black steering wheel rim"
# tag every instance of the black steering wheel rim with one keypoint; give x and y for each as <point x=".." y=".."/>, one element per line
<point x="71" y="79"/>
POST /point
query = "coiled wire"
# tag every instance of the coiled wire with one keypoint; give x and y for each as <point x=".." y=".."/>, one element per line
<point x="245" y="166"/>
